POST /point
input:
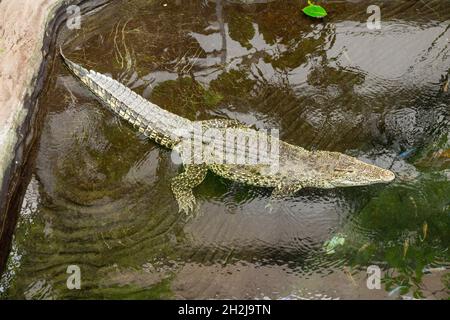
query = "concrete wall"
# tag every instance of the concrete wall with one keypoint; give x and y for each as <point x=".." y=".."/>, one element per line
<point x="27" y="35"/>
<point x="22" y="31"/>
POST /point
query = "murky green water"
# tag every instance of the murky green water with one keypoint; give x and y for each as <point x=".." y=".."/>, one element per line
<point x="99" y="195"/>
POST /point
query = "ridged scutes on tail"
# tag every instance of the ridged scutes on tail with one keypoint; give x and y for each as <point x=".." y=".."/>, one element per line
<point x="78" y="70"/>
<point x="153" y="121"/>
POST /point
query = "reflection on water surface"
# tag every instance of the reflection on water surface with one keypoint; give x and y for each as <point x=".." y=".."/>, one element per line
<point x="99" y="195"/>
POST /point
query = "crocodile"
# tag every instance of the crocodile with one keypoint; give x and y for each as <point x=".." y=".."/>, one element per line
<point x="297" y="167"/>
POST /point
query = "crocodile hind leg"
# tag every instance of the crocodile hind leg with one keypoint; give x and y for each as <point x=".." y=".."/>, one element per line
<point x="194" y="174"/>
<point x="183" y="184"/>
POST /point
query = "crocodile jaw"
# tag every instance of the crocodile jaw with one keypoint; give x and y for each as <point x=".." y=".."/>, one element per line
<point x="365" y="174"/>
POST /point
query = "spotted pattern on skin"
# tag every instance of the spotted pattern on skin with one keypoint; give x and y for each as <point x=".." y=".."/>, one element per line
<point x="298" y="167"/>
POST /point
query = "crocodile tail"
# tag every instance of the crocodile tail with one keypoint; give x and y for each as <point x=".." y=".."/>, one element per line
<point x="76" y="69"/>
<point x="155" y="122"/>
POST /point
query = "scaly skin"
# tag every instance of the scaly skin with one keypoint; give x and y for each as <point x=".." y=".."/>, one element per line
<point x="297" y="168"/>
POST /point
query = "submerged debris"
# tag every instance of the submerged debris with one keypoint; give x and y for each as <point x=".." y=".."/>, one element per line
<point x="333" y="243"/>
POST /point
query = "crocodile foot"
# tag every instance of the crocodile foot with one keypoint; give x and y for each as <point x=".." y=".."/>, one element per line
<point x="186" y="202"/>
<point x="183" y="184"/>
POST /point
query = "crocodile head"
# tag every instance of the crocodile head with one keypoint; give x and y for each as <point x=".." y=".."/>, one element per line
<point x="349" y="171"/>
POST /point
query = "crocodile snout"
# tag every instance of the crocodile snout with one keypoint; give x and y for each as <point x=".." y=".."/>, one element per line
<point x="387" y="176"/>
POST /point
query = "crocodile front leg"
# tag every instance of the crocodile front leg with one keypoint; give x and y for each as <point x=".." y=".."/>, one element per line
<point x="280" y="192"/>
<point x="183" y="184"/>
<point x="284" y="190"/>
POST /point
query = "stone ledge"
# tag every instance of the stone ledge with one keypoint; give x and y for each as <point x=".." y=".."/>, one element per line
<point x="28" y="33"/>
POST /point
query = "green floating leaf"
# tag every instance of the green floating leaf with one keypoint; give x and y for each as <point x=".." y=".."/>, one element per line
<point x="314" y="11"/>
